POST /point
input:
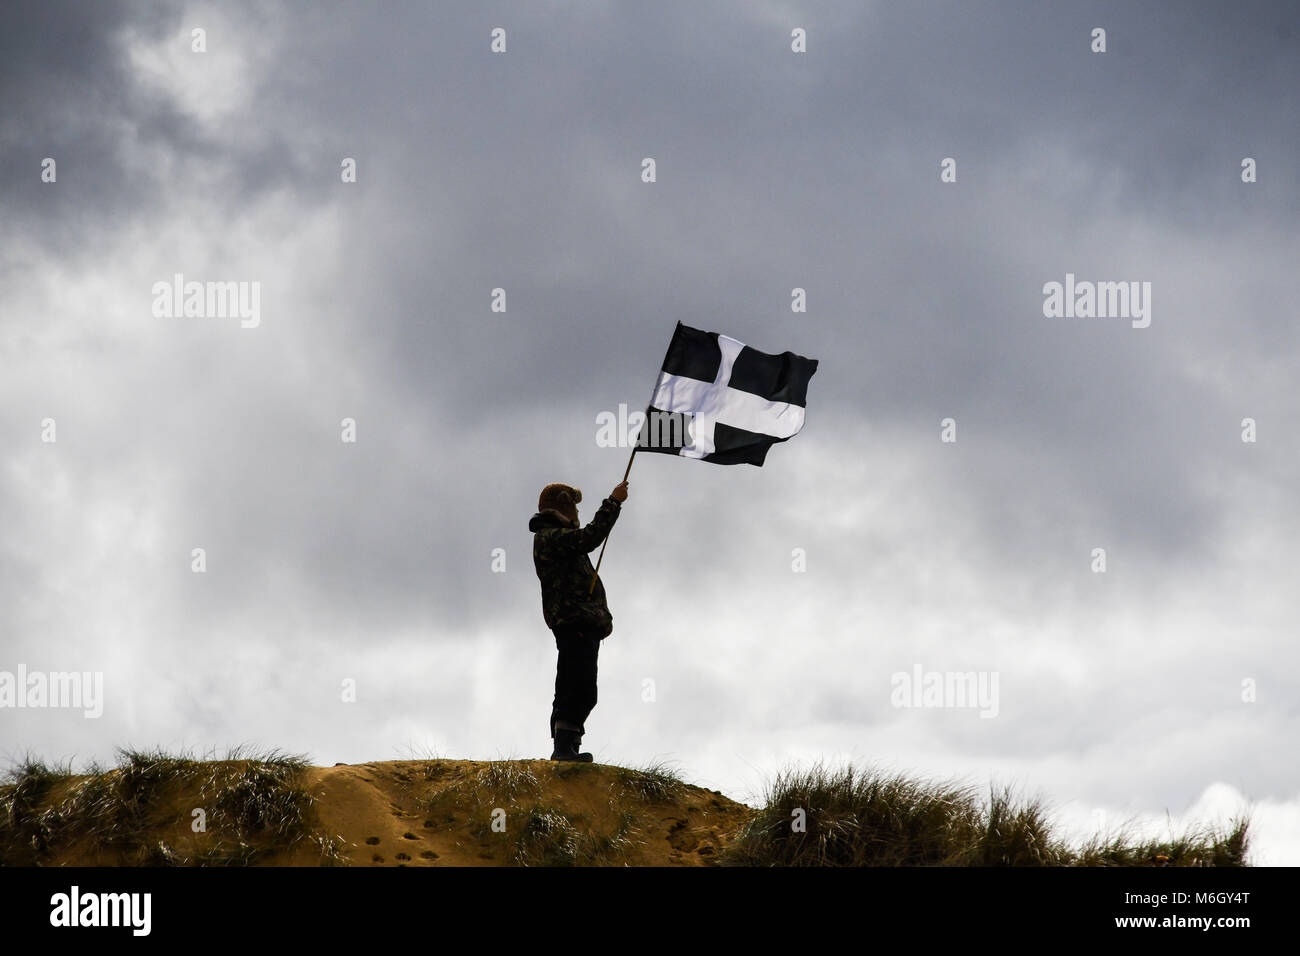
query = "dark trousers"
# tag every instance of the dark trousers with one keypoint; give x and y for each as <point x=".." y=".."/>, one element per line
<point x="575" y="679"/>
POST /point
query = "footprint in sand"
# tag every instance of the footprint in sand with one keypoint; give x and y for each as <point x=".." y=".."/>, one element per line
<point x="403" y="856"/>
<point x="679" y="838"/>
<point x="372" y="841"/>
<point x="409" y="836"/>
<point x="429" y="855"/>
<point x="376" y="859"/>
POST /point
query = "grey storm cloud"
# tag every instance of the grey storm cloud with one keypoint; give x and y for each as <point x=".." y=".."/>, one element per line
<point x="521" y="171"/>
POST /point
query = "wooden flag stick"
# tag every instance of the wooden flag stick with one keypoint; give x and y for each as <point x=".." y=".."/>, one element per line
<point x="601" y="558"/>
<point x="627" y="471"/>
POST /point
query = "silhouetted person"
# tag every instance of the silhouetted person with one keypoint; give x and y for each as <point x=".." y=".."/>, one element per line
<point x="572" y="609"/>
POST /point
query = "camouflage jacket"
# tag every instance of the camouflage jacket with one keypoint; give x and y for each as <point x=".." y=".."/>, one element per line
<point x="560" y="557"/>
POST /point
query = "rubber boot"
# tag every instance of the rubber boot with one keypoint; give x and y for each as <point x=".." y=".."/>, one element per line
<point x="566" y="747"/>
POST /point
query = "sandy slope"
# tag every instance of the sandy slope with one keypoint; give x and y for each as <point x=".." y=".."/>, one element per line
<point x="388" y="813"/>
<point x="431" y="813"/>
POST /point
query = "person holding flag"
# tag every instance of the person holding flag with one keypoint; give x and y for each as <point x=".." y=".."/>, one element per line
<point x="717" y="400"/>
<point x="573" y="605"/>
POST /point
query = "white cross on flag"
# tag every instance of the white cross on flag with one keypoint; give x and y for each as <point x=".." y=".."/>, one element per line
<point x="719" y="400"/>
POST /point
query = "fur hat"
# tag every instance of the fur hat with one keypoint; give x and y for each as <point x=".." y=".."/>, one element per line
<point x="562" y="500"/>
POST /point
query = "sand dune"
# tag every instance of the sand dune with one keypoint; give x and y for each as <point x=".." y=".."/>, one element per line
<point x="275" y="809"/>
<point x="430" y="813"/>
<point x="155" y="810"/>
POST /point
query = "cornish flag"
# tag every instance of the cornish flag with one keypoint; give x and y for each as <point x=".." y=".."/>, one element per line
<point x="721" y="401"/>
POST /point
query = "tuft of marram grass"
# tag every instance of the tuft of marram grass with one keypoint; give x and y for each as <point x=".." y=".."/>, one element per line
<point x="613" y="848"/>
<point x="1196" y="846"/>
<point x="849" y="818"/>
<point x="853" y="817"/>
<point x="657" y="782"/>
<point x="547" y="837"/>
<point x="1016" y="834"/>
<point x="254" y="803"/>
<point x="24" y="833"/>
<point x="507" y="780"/>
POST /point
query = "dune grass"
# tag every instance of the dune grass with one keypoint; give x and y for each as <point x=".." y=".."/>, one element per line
<point x="654" y="783"/>
<point x="852" y="817"/>
<point x="160" y="809"/>
<point x="255" y="809"/>
<point x="507" y="779"/>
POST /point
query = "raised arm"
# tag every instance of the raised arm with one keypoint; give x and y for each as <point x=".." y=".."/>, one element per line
<point x="587" y="539"/>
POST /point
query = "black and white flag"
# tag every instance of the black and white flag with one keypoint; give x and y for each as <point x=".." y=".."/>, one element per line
<point x="719" y="400"/>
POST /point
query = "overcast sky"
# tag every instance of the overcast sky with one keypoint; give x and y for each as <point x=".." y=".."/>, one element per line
<point x="1120" y="693"/>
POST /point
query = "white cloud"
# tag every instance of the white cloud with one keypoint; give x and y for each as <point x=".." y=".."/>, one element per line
<point x="214" y="87"/>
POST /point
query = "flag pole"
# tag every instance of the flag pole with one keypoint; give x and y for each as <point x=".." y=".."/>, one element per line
<point x="627" y="471"/>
